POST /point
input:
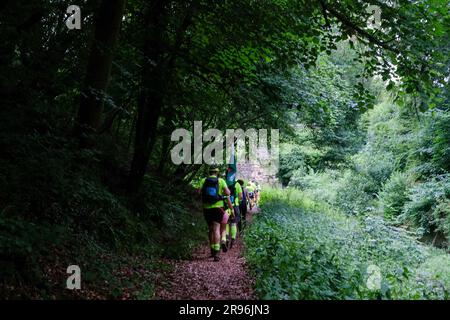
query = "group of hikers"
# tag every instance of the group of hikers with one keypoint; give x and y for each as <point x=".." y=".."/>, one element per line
<point x="225" y="208"/>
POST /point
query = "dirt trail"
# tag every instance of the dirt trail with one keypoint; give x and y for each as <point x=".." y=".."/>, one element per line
<point x="203" y="279"/>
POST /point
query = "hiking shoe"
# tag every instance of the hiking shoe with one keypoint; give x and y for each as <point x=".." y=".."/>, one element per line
<point x="224" y="247"/>
<point x="231" y="243"/>
<point x="212" y="253"/>
<point x="215" y="255"/>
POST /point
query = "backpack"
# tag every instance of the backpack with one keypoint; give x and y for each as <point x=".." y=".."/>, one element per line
<point x="210" y="191"/>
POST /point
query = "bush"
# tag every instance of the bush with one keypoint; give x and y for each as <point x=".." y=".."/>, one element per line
<point x="348" y="190"/>
<point x="298" y="160"/>
<point x="58" y="202"/>
<point x="295" y="263"/>
<point x="377" y="167"/>
<point x="298" y="248"/>
<point x="431" y="279"/>
<point x="394" y="195"/>
<point x="441" y="142"/>
<point x="21" y="242"/>
<point x="320" y="186"/>
<point x="355" y="193"/>
<point x="428" y="206"/>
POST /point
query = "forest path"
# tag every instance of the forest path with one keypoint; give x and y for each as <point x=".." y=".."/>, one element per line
<point x="203" y="279"/>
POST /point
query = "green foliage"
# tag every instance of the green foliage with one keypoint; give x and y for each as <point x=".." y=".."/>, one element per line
<point x="302" y="249"/>
<point x="348" y="190"/>
<point x="394" y="195"/>
<point x="401" y="170"/>
<point x="433" y="277"/>
<point x="428" y="205"/>
<point x="55" y="196"/>
<point x="21" y="242"/>
<point x="297" y="160"/>
<point x="375" y="166"/>
<point x="320" y="186"/>
<point x="441" y="142"/>
<point x="355" y="193"/>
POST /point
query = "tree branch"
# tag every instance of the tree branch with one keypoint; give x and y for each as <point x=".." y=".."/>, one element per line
<point x="325" y="15"/>
<point x="347" y="22"/>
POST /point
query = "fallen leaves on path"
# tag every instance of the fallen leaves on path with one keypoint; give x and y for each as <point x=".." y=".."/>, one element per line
<point x="203" y="279"/>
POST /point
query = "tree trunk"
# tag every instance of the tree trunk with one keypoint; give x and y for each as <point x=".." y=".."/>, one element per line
<point x="147" y="122"/>
<point x="107" y="26"/>
<point x="151" y="98"/>
<point x="164" y="152"/>
<point x="156" y="77"/>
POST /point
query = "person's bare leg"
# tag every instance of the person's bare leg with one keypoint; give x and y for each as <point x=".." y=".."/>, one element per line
<point x="217" y="227"/>
<point x="223" y="233"/>
<point x="233" y="234"/>
<point x="211" y="237"/>
<point x="216" y="240"/>
<point x="211" y="233"/>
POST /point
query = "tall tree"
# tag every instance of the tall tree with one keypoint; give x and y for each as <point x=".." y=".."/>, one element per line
<point x="156" y="73"/>
<point x="107" y="26"/>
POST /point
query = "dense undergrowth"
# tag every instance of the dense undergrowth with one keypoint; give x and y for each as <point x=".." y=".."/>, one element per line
<point x="400" y="171"/>
<point x="377" y="206"/>
<point x="59" y="207"/>
<point x="299" y="248"/>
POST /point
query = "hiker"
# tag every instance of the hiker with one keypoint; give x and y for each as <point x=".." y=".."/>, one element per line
<point x="257" y="193"/>
<point x="242" y="206"/>
<point x="251" y="194"/>
<point x="215" y="194"/>
<point x="231" y="228"/>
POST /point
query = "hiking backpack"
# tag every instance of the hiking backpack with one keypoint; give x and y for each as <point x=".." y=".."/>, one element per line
<point x="210" y="191"/>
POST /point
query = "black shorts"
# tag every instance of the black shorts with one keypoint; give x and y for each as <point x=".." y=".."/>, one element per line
<point x="237" y="215"/>
<point x="243" y="208"/>
<point x="213" y="215"/>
